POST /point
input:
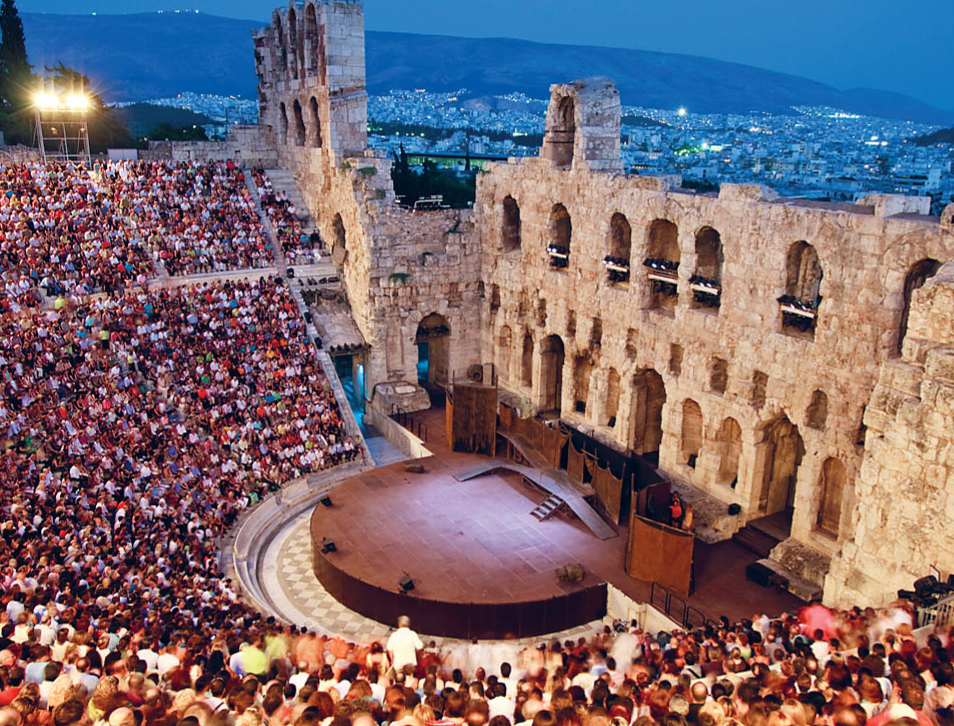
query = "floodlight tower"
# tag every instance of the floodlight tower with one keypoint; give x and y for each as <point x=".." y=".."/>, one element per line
<point x="62" y="131"/>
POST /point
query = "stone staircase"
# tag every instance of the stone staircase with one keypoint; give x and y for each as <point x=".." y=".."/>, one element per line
<point x="547" y="507"/>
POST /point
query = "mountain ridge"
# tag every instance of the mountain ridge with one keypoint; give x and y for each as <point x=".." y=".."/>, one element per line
<point x="148" y="55"/>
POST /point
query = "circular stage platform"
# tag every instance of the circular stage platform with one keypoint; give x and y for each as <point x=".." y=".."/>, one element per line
<point x="481" y="565"/>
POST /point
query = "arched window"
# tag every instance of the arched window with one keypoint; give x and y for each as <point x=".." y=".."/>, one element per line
<point x="919" y="273"/>
<point x="817" y="412"/>
<point x="503" y="353"/>
<point x="510" y="225"/>
<point x="706" y="281"/>
<point x="563" y="133"/>
<point x="662" y="264"/>
<point x="311" y="38"/>
<point x="691" y="432"/>
<point x="620" y="246"/>
<point x="315" y="122"/>
<point x="299" y="124"/>
<point x="559" y="231"/>
<point x="729" y="440"/>
<point x="526" y="362"/>
<point x="283" y="122"/>
<point x="292" y="58"/>
<point x="803" y="276"/>
<point x="832" y="486"/>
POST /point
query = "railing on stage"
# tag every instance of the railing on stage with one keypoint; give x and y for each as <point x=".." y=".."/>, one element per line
<point x="676" y="608"/>
<point x="409" y="421"/>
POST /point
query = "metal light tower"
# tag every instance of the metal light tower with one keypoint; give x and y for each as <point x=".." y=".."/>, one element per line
<point x="62" y="132"/>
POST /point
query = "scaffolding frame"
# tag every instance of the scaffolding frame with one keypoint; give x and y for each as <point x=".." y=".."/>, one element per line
<point x="62" y="133"/>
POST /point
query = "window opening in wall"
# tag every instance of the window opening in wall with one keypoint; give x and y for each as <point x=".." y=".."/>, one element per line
<point x="526" y="362"/>
<point x="551" y="372"/>
<point x="919" y="273"/>
<point x="559" y="232"/>
<point x="299" y="124"/>
<point x="676" y="353"/>
<point x="283" y="120"/>
<point x="315" y="122"/>
<point x="718" y="375"/>
<point x="510" y="225"/>
<point x="803" y="276"/>
<point x="817" y="412"/>
<point x="662" y="265"/>
<point x="563" y="135"/>
<point x="612" y="397"/>
<point x="649" y="397"/>
<point x="832" y="486"/>
<point x="706" y="281"/>
<point x="691" y="432"/>
<point x="620" y="245"/>
<point x="581" y="383"/>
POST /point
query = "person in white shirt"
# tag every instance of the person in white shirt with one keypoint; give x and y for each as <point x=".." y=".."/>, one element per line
<point x="403" y="645"/>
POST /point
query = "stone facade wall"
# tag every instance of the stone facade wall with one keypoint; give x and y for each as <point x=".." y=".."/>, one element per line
<point x="248" y="145"/>
<point x="902" y="523"/>
<point x="735" y="361"/>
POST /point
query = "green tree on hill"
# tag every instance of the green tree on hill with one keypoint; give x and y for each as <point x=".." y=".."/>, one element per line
<point x="16" y="70"/>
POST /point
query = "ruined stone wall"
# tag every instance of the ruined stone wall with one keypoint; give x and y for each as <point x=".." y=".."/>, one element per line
<point x="735" y="361"/>
<point x="398" y="266"/>
<point x="902" y="524"/>
<point x="246" y="145"/>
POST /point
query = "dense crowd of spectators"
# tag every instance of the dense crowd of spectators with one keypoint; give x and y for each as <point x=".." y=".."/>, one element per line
<point x="62" y="231"/>
<point x="299" y="247"/>
<point x="198" y="217"/>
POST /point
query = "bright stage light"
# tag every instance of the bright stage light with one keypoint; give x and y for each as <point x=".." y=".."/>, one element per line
<point x="45" y="101"/>
<point x="77" y="102"/>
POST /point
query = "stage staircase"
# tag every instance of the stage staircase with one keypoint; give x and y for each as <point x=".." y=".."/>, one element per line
<point x="755" y="540"/>
<point x="547" y="507"/>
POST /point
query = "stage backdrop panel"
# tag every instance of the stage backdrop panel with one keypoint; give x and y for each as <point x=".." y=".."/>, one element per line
<point x="659" y="553"/>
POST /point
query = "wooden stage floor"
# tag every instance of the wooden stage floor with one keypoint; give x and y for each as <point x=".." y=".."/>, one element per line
<point x="475" y="541"/>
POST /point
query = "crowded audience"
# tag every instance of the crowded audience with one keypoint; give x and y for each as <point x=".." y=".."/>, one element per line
<point x="196" y="217"/>
<point x="299" y="248"/>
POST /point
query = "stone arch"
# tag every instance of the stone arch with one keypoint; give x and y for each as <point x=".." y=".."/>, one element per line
<point x="662" y="260"/>
<point x="339" y="235"/>
<point x="510" y="224"/>
<point x="292" y="57"/>
<point x="582" y="369"/>
<point x="504" y="341"/>
<point x="311" y="38"/>
<point x="280" y="35"/>
<point x="283" y="122"/>
<point x="729" y="441"/>
<point x="315" y="122"/>
<point x="919" y="273"/>
<point x="649" y="397"/>
<point x="552" y="354"/>
<point x="707" y="277"/>
<point x="817" y="412"/>
<point x="691" y="440"/>
<point x="564" y="132"/>
<point x="620" y="237"/>
<point x="433" y="349"/>
<point x="831" y="483"/>
<point x="611" y="408"/>
<point x="803" y="274"/>
<point x="780" y="452"/>
<point x="559" y="229"/>
<point x="299" y="124"/>
<point x="526" y="361"/>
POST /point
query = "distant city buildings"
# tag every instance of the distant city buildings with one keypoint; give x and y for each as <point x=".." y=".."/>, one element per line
<point x="815" y="152"/>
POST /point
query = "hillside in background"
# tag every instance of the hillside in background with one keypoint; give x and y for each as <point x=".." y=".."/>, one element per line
<point x="941" y="136"/>
<point x="134" y="57"/>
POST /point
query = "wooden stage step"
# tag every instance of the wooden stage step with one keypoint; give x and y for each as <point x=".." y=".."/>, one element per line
<point x="547" y="507"/>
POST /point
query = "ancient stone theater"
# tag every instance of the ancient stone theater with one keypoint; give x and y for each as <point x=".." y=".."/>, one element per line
<point x="790" y="357"/>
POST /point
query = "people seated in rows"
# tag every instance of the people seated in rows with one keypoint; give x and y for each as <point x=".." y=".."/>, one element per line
<point x="299" y="248"/>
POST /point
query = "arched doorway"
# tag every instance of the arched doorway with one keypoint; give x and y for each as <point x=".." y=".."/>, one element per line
<point x="433" y="349"/>
<point x="803" y="276"/>
<point x="551" y="374"/>
<point x="649" y="396"/>
<point x="293" y="43"/>
<point x="510" y="225"/>
<point x="832" y="485"/>
<point x="311" y="37"/>
<point x="662" y="261"/>
<point x="781" y="452"/>
<point x="582" y="367"/>
<point x="706" y="280"/>
<point x="919" y="273"/>
<point x="612" y="397"/>
<point x="729" y="442"/>
<point x="559" y="234"/>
